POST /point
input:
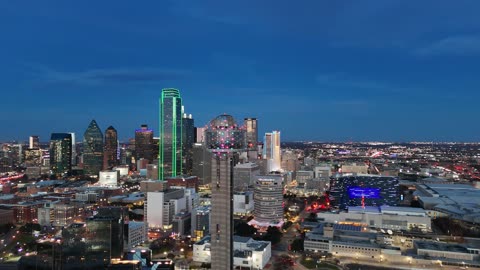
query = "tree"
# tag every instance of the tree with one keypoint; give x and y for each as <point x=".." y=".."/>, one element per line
<point x="30" y="227"/>
<point x="286" y="225"/>
<point x="297" y="245"/>
<point x="312" y="217"/>
<point x="245" y="230"/>
<point x="273" y="235"/>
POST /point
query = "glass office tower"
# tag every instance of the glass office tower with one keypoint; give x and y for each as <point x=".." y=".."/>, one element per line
<point x="61" y="153"/>
<point x="110" y="155"/>
<point x="170" y="152"/>
<point x="92" y="149"/>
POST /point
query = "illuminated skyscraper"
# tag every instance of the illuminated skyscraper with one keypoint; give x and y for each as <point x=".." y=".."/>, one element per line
<point x="144" y="143"/>
<point x="170" y="152"/>
<point x="92" y="149"/>
<point x="188" y="139"/>
<point x="74" y="149"/>
<point x="271" y="151"/>
<point x="34" y="142"/>
<point x="61" y="153"/>
<point x="110" y="153"/>
<point x="251" y="133"/>
<point x="225" y="140"/>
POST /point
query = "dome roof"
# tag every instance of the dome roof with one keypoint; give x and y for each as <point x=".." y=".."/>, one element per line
<point x="223" y="120"/>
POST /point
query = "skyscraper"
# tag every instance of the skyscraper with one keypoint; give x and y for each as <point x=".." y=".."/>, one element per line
<point x="188" y="139"/>
<point x="110" y="153"/>
<point x="74" y="149"/>
<point x="271" y="151"/>
<point x="61" y="153"/>
<point x="268" y="199"/>
<point x="92" y="149"/>
<point x="34" y="142"/>
<point x="202" y="160"/>
<point x="251" y="133"/>
<point x="144" y="143"/>
<point x="224" y="139"/>
<point x="170" y="160"/>
<point x="105" y="232"/>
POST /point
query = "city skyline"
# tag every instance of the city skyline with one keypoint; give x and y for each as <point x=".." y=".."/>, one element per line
<point x="377" y="71"/>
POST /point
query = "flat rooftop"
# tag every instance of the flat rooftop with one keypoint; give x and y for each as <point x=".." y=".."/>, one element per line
<point x="438" y="246"/>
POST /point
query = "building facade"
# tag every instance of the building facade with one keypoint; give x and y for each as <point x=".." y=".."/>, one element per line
<point x="271" y="151"/>
<point x="364" y="190"/>
<point x="92" y="149"/>
<point x="188" y="139"/>
<point x="111" y="152"/>
<point x="251" y="133"/>
<point x="144" y="143"/>
<point x="61" y="153"/>
<point x="268" y="199"/>
<point x="170" y="152"/>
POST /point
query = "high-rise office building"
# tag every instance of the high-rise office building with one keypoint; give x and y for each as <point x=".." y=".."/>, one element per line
<point x="271" y="151"/>
<point x="268" y="199"/>
<point x="188" y="139"/>
<point x="74" y="149"/>
<point x="106" y="231"/>
<point x="200" y="222"/>
<point x="202" y="160"/>
<point x="110" y="153"/>
<point x="34" y="142"/>
<point x="170" y="153"/>
<point x="199" y="134"/>
<point x="61" y="153"/>
<point x="92" y="149"/>
<point x="144" y="143"/>
<point x="251" y="133"/>
<point x="224" y="139"/>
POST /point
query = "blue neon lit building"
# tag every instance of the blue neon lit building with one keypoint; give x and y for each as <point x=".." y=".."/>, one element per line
<point x="370" y="190"/>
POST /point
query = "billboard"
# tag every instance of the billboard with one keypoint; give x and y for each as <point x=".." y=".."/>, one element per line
<point x="363" y="192"/>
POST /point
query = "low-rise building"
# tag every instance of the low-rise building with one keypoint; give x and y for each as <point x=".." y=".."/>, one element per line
<point x="449" y="253"/>
<point x="349" y="240"/>
<point x="384" y="217"/>
<point x="247" y="253"/>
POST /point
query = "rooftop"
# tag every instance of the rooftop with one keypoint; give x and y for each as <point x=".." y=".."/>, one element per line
<point x="441" y="246"/>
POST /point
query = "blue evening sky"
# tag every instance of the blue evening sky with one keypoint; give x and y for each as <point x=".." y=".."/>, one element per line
<point x="388" y="70"/>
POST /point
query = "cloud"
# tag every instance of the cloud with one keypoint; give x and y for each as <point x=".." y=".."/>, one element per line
<point x="108" y="75"/>
<point x="458" y="45"/>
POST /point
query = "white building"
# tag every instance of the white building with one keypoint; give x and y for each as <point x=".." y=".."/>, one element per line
<point x="109" y="178"/>
<point x="160" y="207"/>
<point x="268" y="199"/>
<point x="45" y="214"/>
<point x="136" y="234"/>
<point x="384" y="217"/>
<point x="349" y="240"/>
<point x="247" y="253"/>
<point x="323" y="171"/>
<point x="272" y="151"/>
<point x="122" y="169"/>
<point x="243" y="203"/>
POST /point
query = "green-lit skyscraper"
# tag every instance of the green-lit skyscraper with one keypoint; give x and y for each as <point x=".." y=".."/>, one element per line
<point x="92" y="149"/>
<point x="170" y="152"/>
